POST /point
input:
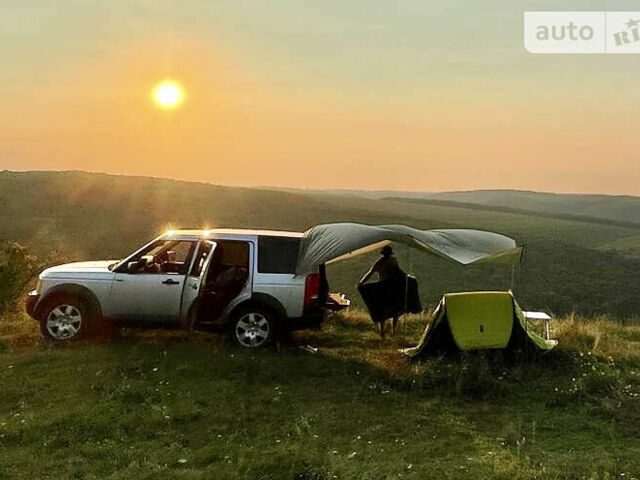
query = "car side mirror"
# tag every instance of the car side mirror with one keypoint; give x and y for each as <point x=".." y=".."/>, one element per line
<point x="133" y="266"/>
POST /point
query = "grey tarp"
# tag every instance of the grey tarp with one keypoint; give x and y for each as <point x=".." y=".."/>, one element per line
<point x="337" y="241"/>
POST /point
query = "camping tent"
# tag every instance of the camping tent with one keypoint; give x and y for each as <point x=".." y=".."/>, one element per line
<point x="338" y="241"/>
<point x="479" y="320"/>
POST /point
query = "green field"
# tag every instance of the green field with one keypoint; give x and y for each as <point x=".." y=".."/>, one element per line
<point x="173" y="405"/>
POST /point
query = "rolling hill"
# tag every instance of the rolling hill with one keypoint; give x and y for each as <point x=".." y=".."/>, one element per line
<point x="610" y="207"/>
<point x="64" y="216"/>
<point x="623" y="209"/>
<point x="628" y="246"/>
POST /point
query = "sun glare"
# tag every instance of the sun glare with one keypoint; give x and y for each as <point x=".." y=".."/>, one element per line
<point x="168" y="94"/>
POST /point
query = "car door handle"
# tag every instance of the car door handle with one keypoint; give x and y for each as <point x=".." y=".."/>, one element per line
<point x="170" y="281"/>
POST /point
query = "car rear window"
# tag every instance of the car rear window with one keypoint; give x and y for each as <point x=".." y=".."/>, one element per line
<point x="277" y="254"/>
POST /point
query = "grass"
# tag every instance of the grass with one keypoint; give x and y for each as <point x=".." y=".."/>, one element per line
<point x="158" y="404"/>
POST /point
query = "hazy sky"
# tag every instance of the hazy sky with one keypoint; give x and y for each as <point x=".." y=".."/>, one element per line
<point x="368" y="94"/>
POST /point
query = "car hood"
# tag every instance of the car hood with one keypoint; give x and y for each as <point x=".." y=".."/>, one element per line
<point x="101" y="266"/>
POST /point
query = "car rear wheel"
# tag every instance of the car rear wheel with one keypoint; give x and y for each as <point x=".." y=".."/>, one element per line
<point x="66" y="319"/>
<point x="254" y="327"/>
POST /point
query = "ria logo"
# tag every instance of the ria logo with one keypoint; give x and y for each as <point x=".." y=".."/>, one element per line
<point x="582" y="32"/>
<point x="630" y="35"/>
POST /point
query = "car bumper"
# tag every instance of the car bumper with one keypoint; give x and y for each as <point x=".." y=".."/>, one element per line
<point x="312" y="318"/>
<point x="30" y="304"/>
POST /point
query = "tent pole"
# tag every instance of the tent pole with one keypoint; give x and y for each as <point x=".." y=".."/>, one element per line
<point x="464" y="278"/>
<point x="406" y="298"/>
<point x="523" y="270"/>
<point x="513" y="272"/>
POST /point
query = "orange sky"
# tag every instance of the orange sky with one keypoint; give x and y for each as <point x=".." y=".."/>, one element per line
<point x="316" y="99"/>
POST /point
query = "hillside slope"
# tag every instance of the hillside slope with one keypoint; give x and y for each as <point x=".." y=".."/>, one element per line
<point x="75" y="216"/>
<point x="628" y="246"/>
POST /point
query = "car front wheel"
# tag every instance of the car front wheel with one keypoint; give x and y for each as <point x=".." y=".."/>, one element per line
<point x="254" y="327"/>
<point x="66" y="319"/>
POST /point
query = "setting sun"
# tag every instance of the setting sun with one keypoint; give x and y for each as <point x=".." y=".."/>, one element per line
<point x="168" y="94"/>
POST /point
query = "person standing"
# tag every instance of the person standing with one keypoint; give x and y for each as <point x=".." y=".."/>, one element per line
<point x="391" y="280"/>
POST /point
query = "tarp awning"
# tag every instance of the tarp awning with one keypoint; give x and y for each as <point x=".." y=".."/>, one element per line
<point x="337" y="241"/>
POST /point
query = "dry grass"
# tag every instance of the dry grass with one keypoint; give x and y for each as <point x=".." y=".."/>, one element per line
<point x="18" y="331"/>
<point x="601" y="336"/>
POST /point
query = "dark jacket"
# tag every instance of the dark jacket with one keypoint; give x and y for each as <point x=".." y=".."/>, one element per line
<point x="391" y="297"/>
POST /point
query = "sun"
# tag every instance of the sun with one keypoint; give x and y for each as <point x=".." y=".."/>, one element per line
<point x="168" y="94"/>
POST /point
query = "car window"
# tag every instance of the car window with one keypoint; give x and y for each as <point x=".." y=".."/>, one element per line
<point x="277" y="254"/>
<point x="181" y="251"/>
<point x="229" y="264"/>
<point x="166" y="256"/>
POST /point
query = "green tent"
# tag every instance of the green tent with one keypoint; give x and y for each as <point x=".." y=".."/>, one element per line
<point x="476" y="321"/>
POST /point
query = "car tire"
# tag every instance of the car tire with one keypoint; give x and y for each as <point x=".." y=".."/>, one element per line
<point x="254" y="327"/>
<point x="66" y="318"/>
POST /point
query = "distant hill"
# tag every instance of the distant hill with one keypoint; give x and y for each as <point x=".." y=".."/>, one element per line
<point x="610" y="207"/>
<point x="519" y="211"/>
<point x="574" y="262"/>
<point x="371" y="194"/>
<point x="617" y="208"/>
<point x="101" y="214"/>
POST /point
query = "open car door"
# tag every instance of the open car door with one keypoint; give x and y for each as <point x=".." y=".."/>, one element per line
<point x="225" y="276"/>
<point x="194" y="281"/>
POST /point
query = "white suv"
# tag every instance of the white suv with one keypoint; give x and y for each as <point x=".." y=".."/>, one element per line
<point x="195" y="278"/>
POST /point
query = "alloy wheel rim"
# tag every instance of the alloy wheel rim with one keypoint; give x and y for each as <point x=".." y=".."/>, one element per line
<point x="63" y="322"/>
<point x="252" y="330"/>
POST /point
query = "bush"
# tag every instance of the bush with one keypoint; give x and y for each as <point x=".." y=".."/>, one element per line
<point x="17" y="269"/>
